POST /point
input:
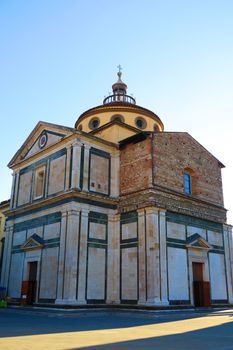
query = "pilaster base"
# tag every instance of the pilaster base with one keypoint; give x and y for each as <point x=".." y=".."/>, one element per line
<point x="113" y="302"/>
<point x="157" y="302"/>
<point x="70" y="302"/>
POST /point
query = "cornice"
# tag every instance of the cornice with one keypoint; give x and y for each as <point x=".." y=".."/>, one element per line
<point x="173" y="202"/>
<point x="44" y="204"/>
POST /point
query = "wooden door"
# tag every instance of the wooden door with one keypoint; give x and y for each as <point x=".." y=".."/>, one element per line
<point x="197" y="272"/>
<point x="32" y="282"/>
<point x="198" y="284"/>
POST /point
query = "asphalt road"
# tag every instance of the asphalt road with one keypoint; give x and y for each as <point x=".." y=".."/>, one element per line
<point x="37" y="329"/>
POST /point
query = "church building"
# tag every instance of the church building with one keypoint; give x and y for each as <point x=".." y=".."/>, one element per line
<point x="115" y="210"/>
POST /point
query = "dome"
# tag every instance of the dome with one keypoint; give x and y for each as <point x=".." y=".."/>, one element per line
<point x="119" y="116"/>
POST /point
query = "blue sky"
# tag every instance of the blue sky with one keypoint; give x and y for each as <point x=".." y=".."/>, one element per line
<point x="58" y="58"/>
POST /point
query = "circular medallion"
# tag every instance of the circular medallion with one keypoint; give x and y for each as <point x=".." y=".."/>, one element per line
<point x="43" y="140"/>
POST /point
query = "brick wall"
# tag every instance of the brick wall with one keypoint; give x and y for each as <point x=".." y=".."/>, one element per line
<point x="173" y="152"/>
<point x="135" y="166"/>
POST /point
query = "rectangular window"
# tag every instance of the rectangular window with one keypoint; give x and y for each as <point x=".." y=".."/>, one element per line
<point x="39" y="182"/>
<point x="187" y="183"/>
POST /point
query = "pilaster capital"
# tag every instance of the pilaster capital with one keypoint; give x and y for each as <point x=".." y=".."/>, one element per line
<point x="77" y="143"/>
<point x="85" y="212"/>
<point x="114" y="217"/>
<point x="141" y="211"/>
<point x="115" y="154"/>
<point x="227" y="228"/>
<point x="73" y="212"/>
<point x="87" y="147"/>
<point x="64" y="214"/>
<point x="162" y="212"/>
<point x="152" y="210"/>
<point x="9" y="227"/>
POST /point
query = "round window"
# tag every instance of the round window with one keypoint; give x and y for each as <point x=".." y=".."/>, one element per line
<point x="94" y="123"/>
<point x="117" y="118"/>
<point x="140" y="123"/>
<point x="43" y="140"/>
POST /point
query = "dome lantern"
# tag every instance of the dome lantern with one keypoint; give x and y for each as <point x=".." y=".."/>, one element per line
<point x="119" y="90"/>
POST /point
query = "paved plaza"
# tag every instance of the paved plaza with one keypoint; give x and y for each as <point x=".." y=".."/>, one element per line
<point x="37" y="328"/>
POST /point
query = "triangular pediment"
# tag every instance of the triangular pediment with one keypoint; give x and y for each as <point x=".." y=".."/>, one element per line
<point x="33" y="242"/>
<point x="197" y="242"/>
<point x="42" y="136"/>
<point x="115" y="131"/>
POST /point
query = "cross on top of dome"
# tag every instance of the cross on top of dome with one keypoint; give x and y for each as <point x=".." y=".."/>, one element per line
<point x="119" y="90"/>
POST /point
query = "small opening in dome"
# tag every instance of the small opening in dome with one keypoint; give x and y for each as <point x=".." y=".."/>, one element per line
<point x="140" y="123"/>
<point x="118" y="118"/>
<point x="94" y="123"/>
<point x="156" y="128"/>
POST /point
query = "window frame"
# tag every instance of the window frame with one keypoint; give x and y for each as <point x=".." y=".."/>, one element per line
<point x="90" y="124"/>
<point x="187" y="176"/>
<point x="37" y="171"/>
<point x="142" y="120"/>
<point x="114" y="117"/>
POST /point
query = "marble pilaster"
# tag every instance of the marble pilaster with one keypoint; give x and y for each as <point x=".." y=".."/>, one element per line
<point x="81" y="297"/>
<point x="141" y="256"/>
<point x="113" y="271"/>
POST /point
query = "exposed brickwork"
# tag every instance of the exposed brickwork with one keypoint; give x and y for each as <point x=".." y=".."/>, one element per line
<point x="173" y="152"/>
<point x="173" y="202"/>
<point x="136" y="166"/>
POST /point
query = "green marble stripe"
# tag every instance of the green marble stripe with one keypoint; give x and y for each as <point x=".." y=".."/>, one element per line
<point x="99" y="152"/>
<point x="129" y="240"/>
<point x="98" y="221"/>
<point x="97" y="245"/>
<point x="97" y="240"/>
<point x="16" y="251"/>
<point x="37" y="222"/>
<point x="52" y="244"/>
<point x="176" y="240"/>
<point x="173" y="245"/>
<point x="129" y="245"/>
<point x="54" y="133"/>
<point x="217" y="246"/>
<point x="192" y="221"/>
<point x="179" y="302"/>
<point x="216" y="251"/>
<point x="129" y="215"/>
<point x="219" y="301"/>
<point x="52" y="240"/>
<point x="98" y="216"/>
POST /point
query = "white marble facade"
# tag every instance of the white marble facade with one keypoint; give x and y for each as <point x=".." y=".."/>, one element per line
<point x="89" y="252"/>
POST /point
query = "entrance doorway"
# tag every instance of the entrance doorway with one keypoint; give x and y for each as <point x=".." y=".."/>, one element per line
<point x="201" y="288"/>
<point x="197" y="284"/>
<point x="32" y="282"/>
